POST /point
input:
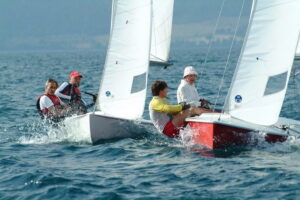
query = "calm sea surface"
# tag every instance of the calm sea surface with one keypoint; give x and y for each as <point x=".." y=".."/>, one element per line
<point x="37" y="162"/>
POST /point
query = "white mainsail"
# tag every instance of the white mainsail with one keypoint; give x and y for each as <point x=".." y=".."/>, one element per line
<point x="260" y="80"/>
<point x="123" y="88"/>
<point x="161" y="30"/>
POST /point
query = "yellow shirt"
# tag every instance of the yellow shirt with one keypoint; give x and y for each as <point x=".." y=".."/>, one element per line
<point x="161" y="112"/>
<point x="162" y="105"/>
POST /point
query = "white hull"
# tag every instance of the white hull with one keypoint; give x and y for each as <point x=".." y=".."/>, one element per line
<point x="97" y="126"/>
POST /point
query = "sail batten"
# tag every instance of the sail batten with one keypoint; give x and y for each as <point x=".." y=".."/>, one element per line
<point x="260" y="80"/>
<point x="122" y="91"/>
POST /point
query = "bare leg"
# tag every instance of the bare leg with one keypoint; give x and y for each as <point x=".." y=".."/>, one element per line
<point x="179" y="119"/>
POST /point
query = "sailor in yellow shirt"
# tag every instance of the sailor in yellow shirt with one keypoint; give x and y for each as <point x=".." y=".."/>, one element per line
<point x="167" y="118"/>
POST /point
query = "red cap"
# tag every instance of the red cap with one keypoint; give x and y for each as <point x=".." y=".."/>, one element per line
<point x="75" y="74"/>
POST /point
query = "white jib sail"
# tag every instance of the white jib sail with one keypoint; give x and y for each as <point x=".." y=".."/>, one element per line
<point x="260" y="80"/>
<point x="123" y="88"/>
<point x="162" y="18"/>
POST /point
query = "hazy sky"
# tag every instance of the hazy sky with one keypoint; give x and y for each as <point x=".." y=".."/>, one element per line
<point x="48" y="24"/>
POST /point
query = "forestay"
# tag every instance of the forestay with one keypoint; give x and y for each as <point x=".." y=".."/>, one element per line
<point x="123" y="88"/>
<point x="161" y="30"/>
<point x="260" y="80"/>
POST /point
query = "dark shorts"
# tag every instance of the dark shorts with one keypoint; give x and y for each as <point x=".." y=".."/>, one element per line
<point x="172" y="131"/>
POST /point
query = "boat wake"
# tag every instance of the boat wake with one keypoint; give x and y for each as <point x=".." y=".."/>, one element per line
<point x="41" y="132"/>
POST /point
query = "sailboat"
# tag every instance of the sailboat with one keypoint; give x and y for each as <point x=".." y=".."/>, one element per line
<point x="161" y="30"/>
<point x="122" y="94"/>
<point x="260" y="80"/>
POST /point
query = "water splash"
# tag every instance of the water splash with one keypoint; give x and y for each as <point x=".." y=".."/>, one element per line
<point x="256" y="140"/>
<point x="42" y="132"/>
<point x="186" y="138"/>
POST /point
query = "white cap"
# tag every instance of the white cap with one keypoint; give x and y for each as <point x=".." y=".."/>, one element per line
<point x="189" y="70"/>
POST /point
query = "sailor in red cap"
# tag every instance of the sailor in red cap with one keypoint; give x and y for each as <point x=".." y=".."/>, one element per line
<point x="69" y="93"/>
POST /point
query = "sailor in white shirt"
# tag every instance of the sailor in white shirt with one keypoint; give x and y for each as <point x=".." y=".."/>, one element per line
<point x="49" y="105"/>
<point x="187" y="91"/>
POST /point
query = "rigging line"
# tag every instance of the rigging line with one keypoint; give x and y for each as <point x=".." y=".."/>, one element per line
<point x="229" y="55"/>
<point x="296" y="88"/>
<point x="296" y="72"/>
<point x="210" y="41"/>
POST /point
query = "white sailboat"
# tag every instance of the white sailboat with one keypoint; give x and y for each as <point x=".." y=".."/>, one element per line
<point x="122" y="93"/>
<point x="260" y="81"/>
<point x="161" y="32"/>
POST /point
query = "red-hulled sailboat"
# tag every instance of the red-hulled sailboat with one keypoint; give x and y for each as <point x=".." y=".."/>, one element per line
<point x="260" y="81"/>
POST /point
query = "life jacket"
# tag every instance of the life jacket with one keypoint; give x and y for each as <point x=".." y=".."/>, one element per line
<point x="75" y="102"/>
<point x="72" y="91"/>
<point x="45" y="112"/>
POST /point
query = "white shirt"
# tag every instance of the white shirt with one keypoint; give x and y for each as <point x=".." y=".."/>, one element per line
<point x="61" y="88"/>
<point x="188" y="93"/>
<point x="45" y="102"/>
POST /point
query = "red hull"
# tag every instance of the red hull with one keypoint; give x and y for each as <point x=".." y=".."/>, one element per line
<point x="213" y="135"/>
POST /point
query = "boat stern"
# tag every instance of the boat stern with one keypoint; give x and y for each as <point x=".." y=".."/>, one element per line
<point x="212" y="135"/>
<point x="215" y="130"/>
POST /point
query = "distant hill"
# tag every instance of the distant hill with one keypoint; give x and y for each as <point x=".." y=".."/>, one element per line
<point x="82" y="25"/>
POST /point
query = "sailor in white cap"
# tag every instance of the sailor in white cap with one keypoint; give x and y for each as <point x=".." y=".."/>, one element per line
<point x="187" y="91"/>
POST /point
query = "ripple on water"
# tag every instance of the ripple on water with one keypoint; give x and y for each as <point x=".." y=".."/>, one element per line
<point x="41" y="162"/>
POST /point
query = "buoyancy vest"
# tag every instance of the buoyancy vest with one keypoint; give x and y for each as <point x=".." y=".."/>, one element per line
<point x="45" y="112"/>
<point x="75" y="102"/>
<point x="72" y="91"/>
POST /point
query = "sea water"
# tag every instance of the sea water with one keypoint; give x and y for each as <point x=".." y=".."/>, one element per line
<point x="41" y="162"/>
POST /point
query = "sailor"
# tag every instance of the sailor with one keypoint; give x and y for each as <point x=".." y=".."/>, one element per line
<point x="49" y="105"/>
<point x="187" y="91"/>
<point x="167" y="118"/>
<point x="70" y="93"/>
